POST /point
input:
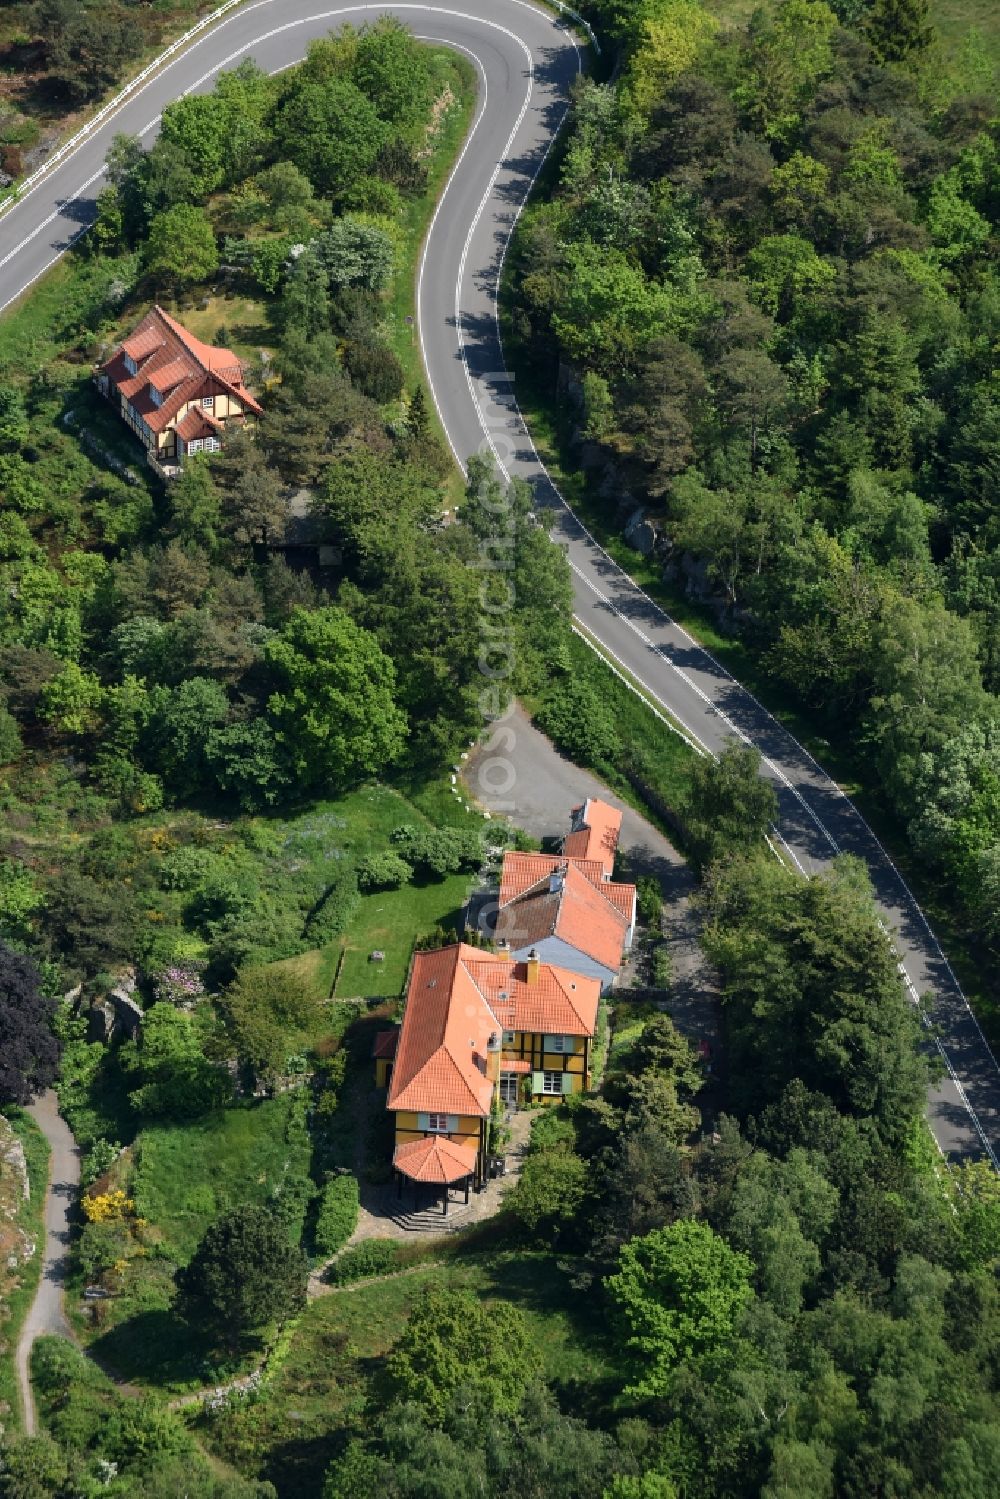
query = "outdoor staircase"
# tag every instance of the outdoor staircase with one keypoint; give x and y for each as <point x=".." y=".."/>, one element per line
<point x="431" y="1220"/>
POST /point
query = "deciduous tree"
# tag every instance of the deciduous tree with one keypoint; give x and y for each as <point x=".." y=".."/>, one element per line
<point x="29" y="1051"/>
<point x="244" y="1276"/>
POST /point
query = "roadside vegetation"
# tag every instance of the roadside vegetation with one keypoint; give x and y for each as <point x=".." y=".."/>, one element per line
<point x="763" y="281"/>
<point x="58" y="57"/>
<point x="22" y="1235"/>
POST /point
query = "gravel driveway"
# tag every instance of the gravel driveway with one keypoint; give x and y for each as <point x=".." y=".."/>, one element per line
<point x="539" y="787"/>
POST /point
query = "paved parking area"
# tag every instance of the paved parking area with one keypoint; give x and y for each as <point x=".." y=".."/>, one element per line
<point x="519" y="774"/>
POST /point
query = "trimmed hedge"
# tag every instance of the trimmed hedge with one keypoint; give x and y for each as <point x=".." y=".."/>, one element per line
<point x="338" y="1213"/>
<point x="373" y="1257"/>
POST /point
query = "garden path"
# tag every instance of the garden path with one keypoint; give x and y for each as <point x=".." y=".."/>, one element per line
<point x="47" y="1313"/>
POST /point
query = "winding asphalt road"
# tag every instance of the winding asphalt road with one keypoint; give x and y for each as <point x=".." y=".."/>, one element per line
<point x="526" y="60"/>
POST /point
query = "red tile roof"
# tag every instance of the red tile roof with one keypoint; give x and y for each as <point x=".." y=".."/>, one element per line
<point x="441" y="1057"/>
<point x="143" y="341"/>
<point x="457" y="998"/>
<point x="180" y="367"/>
<point x="592" y="916"/>
<point x="596" y="829"/>
<point x="520" y="871"/>
<point x="435" y="1158"/>
<point x="557" y="1003"/>
<point x="168" y="375"/>
<point x="385" y="1043"/>
<point x="194" y="424"/>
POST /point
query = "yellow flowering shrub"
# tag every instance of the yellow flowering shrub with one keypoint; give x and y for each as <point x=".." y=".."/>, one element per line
<point x="110" y="1207"/>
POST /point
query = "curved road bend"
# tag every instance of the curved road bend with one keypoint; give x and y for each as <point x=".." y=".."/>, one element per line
<point x="526" y="62"/>
<point x="46" y="1315"/>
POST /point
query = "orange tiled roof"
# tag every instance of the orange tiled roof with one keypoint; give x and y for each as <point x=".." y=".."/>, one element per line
<point x="435" y="1158"/>
<point x="592" y="917"/>
<point x="457" y="998"/>
<point x="557" y="1003"/>
<point x="520" y="871"/>
<point x="143" y="341"/>
<point x="179" y="365"/>
<point x="169" y="375"/>
<point x="441" y="1056"/>
<point x="596" y="828"/>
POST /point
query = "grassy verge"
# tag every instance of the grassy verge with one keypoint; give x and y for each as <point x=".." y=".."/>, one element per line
<point x="457" y="76"/>
<point x="319" y="1397"/>
<point x="29" y="1219"/>
<point x="652" y="751"/>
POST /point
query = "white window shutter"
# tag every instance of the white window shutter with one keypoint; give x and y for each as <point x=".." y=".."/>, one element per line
<point x="423" y="1121"/>
<point x="538" y="1082"/>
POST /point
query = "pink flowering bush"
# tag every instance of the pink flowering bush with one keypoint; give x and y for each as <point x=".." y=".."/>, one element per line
<point x="180" y="984"/>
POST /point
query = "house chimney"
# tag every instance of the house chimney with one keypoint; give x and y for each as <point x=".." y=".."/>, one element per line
<point x="533" y="965"/>
<point x="493" y="1050"/>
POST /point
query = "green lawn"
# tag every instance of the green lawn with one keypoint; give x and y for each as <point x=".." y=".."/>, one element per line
<point x="388" y="921"/>
<point x="183" y="1177"/>
<point x="187" y="1175"/>
<point x="320" y="1396"/>
<point x="237" y="322"/>
<point x="29" y="1218"/>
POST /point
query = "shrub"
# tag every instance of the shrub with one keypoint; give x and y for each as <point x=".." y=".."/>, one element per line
<point x="334" y="911"/>
<point x="102" y="1246"/>
<point x="386" y="871"/>
<point x="579" y="722"/>
<point x="438" y="851"/>
<point x="374" y="1257"/>
<point x="662" y="967"/>
<point x="100" y="1158"/>
<point x="649" y="899"/>
<point x="338" y="1214"/>
<point x="111" y="1207"/>
<point x="375" y="370"/>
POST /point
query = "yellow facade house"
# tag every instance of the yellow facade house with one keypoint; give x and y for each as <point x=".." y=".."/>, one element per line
<point x="478" y="1027"/>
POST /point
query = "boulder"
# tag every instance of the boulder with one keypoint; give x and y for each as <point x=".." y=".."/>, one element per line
<point x="641" y="533"/>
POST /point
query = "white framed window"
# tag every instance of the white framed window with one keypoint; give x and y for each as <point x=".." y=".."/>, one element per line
<point x="195" y="445"/>
<point x="212" y="444"/>
<point x="559" y="1044"/>
<point x="437" y="1123"/>
<point x="131" y="365"/>
<point x="208" y="402"/>
<point x="552" y="1083"/>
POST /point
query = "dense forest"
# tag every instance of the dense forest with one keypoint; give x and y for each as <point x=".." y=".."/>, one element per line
<point x="769" y="277"/>
<point x="798" y="1307"/>
<point x="161" y="639"/>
